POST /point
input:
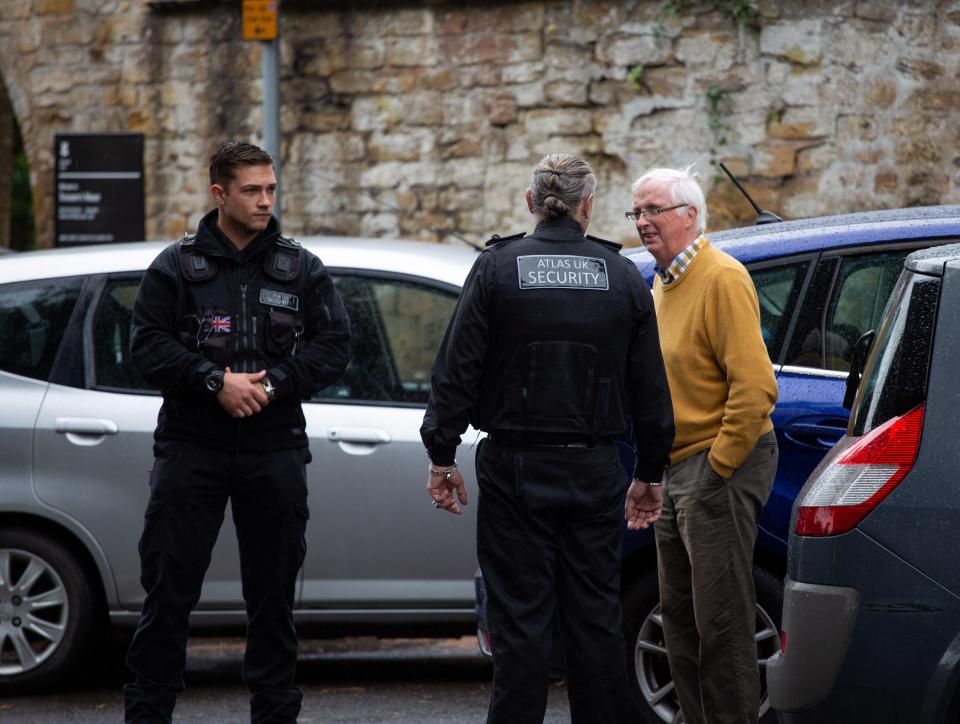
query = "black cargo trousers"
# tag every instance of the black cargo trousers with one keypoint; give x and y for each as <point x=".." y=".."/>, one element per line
<point x="549" y="539"/>
<point x="190" y="485"/>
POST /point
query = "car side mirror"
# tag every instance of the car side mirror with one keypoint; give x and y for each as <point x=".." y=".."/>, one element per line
<point x="861" y="350"/>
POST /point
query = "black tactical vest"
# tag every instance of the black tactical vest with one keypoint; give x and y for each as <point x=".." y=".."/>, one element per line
<point x="247" y="316"/>
<point x="562" y="316"/>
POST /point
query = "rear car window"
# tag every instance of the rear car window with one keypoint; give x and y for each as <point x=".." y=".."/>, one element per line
<point x="895" y="379"/>
<point x="397" y="326"/>
<point x="33" y="318"/>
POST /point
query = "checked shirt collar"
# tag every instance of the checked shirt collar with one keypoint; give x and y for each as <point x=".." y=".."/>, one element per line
<point x="681" y="262"/>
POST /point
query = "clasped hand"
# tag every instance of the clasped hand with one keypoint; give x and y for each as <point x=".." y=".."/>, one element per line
<point x="242" y="395"/>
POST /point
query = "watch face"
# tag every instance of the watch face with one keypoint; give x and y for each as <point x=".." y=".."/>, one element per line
<point x="214" y="382"/>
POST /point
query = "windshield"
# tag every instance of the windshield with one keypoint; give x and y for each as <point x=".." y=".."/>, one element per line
<point x="895" y="378"/>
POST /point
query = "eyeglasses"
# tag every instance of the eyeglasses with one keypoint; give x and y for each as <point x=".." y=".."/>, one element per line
<point x="651" y="212"/>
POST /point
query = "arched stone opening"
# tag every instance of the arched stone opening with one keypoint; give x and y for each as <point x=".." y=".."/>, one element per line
<point x="17" y="229"/>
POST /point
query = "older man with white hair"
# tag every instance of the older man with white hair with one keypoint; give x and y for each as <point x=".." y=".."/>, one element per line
<point x="724" y="455"/>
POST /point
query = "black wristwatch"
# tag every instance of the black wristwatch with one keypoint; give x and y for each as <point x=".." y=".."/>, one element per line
<point x="214" y="381"/>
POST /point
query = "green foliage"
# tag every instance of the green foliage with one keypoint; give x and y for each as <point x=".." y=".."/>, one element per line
<point x="23" y="235"/>
<point x="743" y="12"/>
<point x="719" y="105"/>
<point x="635" y="77"/>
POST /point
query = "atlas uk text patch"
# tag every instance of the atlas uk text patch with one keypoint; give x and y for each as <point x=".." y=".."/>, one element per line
<point x="274" y="298"/>
<point x="562" y="271"/>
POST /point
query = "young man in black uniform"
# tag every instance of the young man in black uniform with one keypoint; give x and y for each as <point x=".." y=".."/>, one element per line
<point x="235" y="324"/>
<point x="552" y="344"/>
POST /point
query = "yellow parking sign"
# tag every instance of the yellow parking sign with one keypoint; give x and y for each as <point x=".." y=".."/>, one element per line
<point x="260" y="19"/>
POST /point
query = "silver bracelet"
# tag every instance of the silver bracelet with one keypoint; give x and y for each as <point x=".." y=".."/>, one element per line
<point x="657" y="484"/>
<point x="445" y="472"/>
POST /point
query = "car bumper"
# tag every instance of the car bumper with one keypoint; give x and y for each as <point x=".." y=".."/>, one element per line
<point x="817" y="625"/>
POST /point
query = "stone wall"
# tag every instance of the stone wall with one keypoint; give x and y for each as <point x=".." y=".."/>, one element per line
<point x="423" y="120"/>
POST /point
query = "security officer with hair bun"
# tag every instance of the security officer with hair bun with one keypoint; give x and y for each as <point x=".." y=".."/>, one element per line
<point x="235" y="325"/>
<point x="552" y="344"/>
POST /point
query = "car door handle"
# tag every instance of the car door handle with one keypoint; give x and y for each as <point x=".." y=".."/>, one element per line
<point x="358" y="435"/>
<point x="823" y="434"/>
<point x="86" y="426"/>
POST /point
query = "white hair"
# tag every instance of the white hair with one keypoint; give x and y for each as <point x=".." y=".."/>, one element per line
<point x="683" y="187"/>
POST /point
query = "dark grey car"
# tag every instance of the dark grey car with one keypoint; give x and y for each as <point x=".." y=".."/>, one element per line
<point x="871" y="616"/>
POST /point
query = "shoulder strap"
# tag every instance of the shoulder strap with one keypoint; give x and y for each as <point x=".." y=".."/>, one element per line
<point x="613" y="245"/>
<point x="195" y="267"/>
<point x="497" y="239"/>
<point x="283" y="261"/>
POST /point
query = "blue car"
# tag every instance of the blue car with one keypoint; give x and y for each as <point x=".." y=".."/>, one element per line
<point x="821" y="284"/>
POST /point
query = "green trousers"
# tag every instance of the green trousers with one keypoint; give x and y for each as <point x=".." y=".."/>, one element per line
<point x="705" y="540"/>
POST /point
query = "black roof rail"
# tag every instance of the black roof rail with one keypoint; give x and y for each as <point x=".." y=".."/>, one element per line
<point x="763" y="217"/>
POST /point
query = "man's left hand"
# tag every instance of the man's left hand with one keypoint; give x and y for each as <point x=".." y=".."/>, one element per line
<point x="441" y="490"/>
<point x="644" y="505"/>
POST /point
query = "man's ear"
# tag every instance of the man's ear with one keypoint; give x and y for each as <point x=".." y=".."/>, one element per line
<point x="690" y="221"/>
<point x="528" y="195"/>
<point x="217" y="192"/>
<point x="586" y="207"/>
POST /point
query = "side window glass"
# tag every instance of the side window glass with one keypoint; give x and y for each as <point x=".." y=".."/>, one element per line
<point x="113" y="367"/>
<point x="777" y="291"/>
<point x="397" y="326"/>
<point x="33" y="318"/>
<point x="861" y="291"/>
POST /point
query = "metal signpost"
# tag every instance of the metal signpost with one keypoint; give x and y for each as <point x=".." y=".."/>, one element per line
<point x="261" y="23"/>
<point x="98" y="188"/>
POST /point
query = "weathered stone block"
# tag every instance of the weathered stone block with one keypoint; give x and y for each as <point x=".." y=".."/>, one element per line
<point x="882" y="10"/>
<point x="417" y="51"/>
<point x="119" y="29"/>
<point x="716" y="50"/>
<point x="584" y="145"/>
<point x="774" y="158"/>
<point x="859" y="127"/>
<point x="918" y="149"/>
<point x="377" y="112"/>
<point x="566" y="93"/>
<point x="503" y="110"/>
<point x="799" y="41"/>
<point x="630" y="50"/>
<point x="321" y="150"/>
<point x="53" y="7"/>
<point x="935" y="99"/>
<point x="394" y="81"/>
<point x="885" y="181"/>
<point x="920" y="68"/>
<point x="800" y="123"/>
<point x="352" y="81"/>
<point x="562" y="55"/>
<point x="405" y="146"/>
<point x="880" y="93"/>
<point x="491" y="48"/>
<point x="558" y="122"/>
<point x="521" y="72"/>
<point x="478" y="76"/>
<point x="366" y="53"/>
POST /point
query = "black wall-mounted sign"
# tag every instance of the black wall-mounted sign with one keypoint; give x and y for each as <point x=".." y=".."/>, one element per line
<point x="99" y="188"/>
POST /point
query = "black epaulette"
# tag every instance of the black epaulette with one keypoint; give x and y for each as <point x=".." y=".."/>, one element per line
<point x="195" y="267"/>
<point x="288" y="242"/>
<point x="497" y="239"/>
<point x="614" y="245"/>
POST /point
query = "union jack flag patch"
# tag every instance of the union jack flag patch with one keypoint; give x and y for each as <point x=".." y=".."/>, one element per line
<point x="220" y="324"/>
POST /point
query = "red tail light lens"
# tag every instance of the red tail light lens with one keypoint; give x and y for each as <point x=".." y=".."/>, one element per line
<point x="853" y="484"/>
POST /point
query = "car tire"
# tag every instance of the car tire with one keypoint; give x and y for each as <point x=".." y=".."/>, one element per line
<point x="47" y="611"/>
<point x="651" y="684"/>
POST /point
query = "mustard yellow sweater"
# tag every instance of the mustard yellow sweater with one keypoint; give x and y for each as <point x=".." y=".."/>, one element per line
<point x="721" y="379"/>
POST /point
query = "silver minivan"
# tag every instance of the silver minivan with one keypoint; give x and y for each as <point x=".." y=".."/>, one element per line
<point x="76" y="440"/>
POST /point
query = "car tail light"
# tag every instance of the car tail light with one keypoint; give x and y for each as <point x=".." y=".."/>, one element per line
<point x="863" y="475"/>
